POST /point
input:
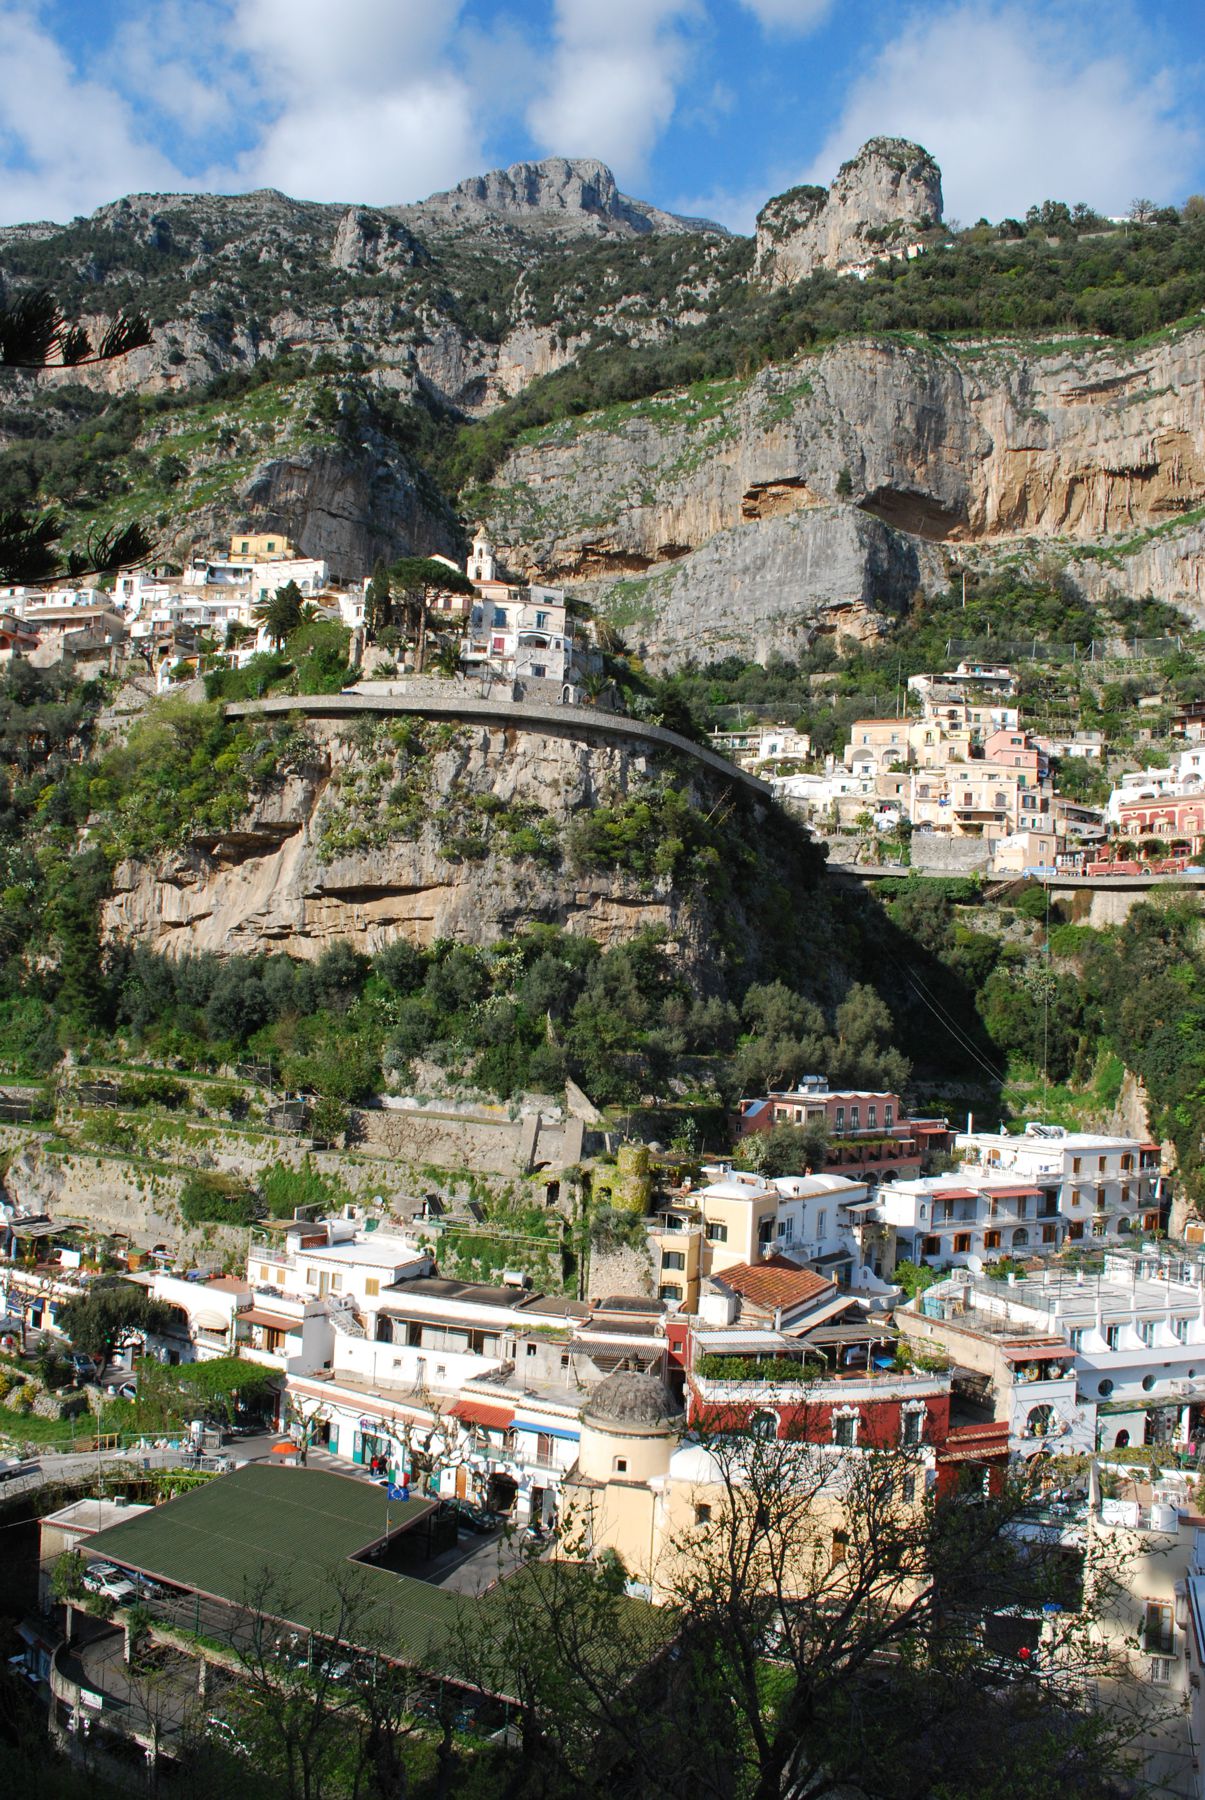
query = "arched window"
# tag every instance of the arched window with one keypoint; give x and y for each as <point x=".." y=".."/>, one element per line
<point x="1020" y="1236"/>
<point x="1122" y="1440"/>
<point x="924" y="1213"/>
<point x="1039" y="1422"/>
<point x="1123" y="1227"/>
<point x="764" y="1424"/>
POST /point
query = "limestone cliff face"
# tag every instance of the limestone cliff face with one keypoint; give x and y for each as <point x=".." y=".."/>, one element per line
<point x="881" y="199"/>
<point x="566" y="196"/>
<point x="396" y="829"/>
<point x="979" y="447"/>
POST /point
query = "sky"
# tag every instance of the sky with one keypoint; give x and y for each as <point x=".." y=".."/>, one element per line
<point x="702" y="106"/>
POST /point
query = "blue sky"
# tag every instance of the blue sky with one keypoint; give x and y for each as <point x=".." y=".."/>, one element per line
<point x="702" y="106"/>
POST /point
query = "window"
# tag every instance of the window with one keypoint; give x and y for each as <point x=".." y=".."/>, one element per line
<point x="1075" y="1230"/>
<point x="702" y="1515"/>
<point x="855" y="1118"/>
<point x="1159" y="1628"/>
<point x="1180" y="1330"/>
<point x="311" y="1278"/>
<point x="845" y="1429"/>
<point x="336" y="1283"/>
<point x="908" y="1489"/>
<point x="764" y="1424"/>
<point x="840" y="1548"/>
<point x="923" y="1213"/>
<point x="991" y="1240"/>
<point x="532" y="1349"/>
<point x="673" y="1259"/>
<point x="372" y="1287"/>
<point x="717" y="1234"/>
<point x="765" y="1231"/>
<point x="962" y="1243"/>
<point x="1146" y="1331"/>
<point x="620" y="1465"/>
<point x="839" y="1123"/>
<point x="669" y="1290"/>
<point x="1075" y="1338"/>
<point x="1104" y="1388"/>
<point x="1112" y="1336"/>
<point x="872" y="1115"/>
<point x="1077" y="1163"/>
<point x="912" y="1425"/>
<point x="1102" y="1163"/>
<point x="1050" y="1234"/>
<point x="888" y="1116"/>
<point x="821" y="1221"/>
<point x="786" y="1227"/>
<point x="1020" y="1236"/>
<point x="930" y="1246"/>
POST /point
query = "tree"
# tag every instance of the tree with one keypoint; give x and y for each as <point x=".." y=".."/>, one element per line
<point x="832" y="1625"/>
<point x="418" y="578"/>
<point x="111" y="1314"/>
<point x="378" y="602"/>
<point x="786" y="1150"/>
<point x="35" y="335"/>
<point x="281" y="615"/>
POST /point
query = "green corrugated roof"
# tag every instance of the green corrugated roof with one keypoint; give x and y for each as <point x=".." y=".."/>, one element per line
<point x="276" y="1538"/>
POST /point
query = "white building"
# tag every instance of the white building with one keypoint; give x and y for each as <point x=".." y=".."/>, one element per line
<point x="1135" y="1332"/>
<point x="1103" y="1187"/>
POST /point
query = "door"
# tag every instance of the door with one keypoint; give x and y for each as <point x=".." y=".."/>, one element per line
<point x="462" y="1483"/>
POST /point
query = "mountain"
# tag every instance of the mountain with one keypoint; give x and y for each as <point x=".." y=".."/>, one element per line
<point x="733" y="443"/>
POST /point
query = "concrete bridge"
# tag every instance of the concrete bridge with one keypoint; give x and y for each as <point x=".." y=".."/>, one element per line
<point x="517" y="715"/>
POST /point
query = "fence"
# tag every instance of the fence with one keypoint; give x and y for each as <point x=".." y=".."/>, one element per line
<point x="1009" y="650"/>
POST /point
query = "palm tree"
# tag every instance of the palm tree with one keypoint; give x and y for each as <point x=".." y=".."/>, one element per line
<point x="282" y="614"/>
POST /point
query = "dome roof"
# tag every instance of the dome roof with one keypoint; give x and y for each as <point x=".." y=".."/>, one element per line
<point x="628" y="1398"/>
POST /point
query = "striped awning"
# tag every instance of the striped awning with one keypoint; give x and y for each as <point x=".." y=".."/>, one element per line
<point x="550" y="1430"/>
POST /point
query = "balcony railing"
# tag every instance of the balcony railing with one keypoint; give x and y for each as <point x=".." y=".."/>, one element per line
<point x="830" y="1389"/>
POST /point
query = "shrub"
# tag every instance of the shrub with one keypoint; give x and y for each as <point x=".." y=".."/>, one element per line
<point x="209" y="1198"/>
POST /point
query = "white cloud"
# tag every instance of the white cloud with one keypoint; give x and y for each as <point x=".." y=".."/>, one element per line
<point x="796" y="17"/>
<point x="362" y="101"/>
<point x="1016" y="112"/>
<point x="67" y="144"/>
<point x="612" y="83"/>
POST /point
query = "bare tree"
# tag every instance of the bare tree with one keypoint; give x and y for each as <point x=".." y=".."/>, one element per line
<point x="832" y="1625"/>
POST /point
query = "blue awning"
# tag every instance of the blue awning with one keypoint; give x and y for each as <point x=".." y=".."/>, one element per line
<point x="561" y="1431"/>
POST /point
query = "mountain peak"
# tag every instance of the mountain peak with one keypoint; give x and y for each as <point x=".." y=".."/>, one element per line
<point x="563" y="195"/>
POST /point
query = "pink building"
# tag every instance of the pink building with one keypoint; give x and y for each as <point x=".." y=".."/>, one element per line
<point x="866" y="1129"/>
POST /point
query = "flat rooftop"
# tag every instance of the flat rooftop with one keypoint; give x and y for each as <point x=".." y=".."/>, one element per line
<point x="469" y="1293"/>
<point x="278" y="1538"/>
<point x="1075" y="1303"/>
<point x="377" y="1253"/>
<point x="283" y="1541"/>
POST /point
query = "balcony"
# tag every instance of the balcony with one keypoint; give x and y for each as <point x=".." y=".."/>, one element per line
<point x="830" y="1389"/>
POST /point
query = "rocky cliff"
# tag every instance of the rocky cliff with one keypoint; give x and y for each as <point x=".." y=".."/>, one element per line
<point x="394" y="827"/>
<point x="752" y="509"/>
<point x="883" y="199"/>
<point x="564" y="196"/>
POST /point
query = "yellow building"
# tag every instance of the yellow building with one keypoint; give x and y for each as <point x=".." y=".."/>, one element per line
<point x="264" y="546"/>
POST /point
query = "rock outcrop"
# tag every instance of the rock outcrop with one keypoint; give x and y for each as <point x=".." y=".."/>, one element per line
<point x="882" y="200"/>
<point x="393" y="828"/>
<point x="970" y="447"/>
<point x="566" y="196"/>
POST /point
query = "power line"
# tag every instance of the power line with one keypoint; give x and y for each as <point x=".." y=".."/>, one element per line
<point x="943" y="1018"/>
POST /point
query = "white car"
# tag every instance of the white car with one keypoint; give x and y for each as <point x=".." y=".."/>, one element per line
<point x="104" y="1579"/>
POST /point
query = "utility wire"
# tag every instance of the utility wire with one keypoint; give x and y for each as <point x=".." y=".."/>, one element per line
<point x="943" y="1018"/>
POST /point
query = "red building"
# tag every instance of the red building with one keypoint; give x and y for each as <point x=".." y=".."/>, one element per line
<point x="782" y="1348"/>
<point x="867" y="1132"/>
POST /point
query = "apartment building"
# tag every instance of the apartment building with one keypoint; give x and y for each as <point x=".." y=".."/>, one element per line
<point x="757" y="744"/>
<point x="739" y="1216"/>
<point x="867" y="1132"/>
<point x="1105" y="1187"/>
<point x="1133" y="1333"/>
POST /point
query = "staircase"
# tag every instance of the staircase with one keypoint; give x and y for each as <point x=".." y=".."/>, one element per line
<point x="343" y="1318"/>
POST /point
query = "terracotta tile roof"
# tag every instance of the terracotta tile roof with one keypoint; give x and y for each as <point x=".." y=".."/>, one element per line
<point x="775" y="1282"/>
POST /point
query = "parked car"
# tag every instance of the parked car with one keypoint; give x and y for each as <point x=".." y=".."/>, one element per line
<point x="83" y="1368"/>
<point x="476" y="1518"/>
<point x="220" y="1731"/>
<point x="102" y="1578"/>
<point x="122" y="1390"/>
